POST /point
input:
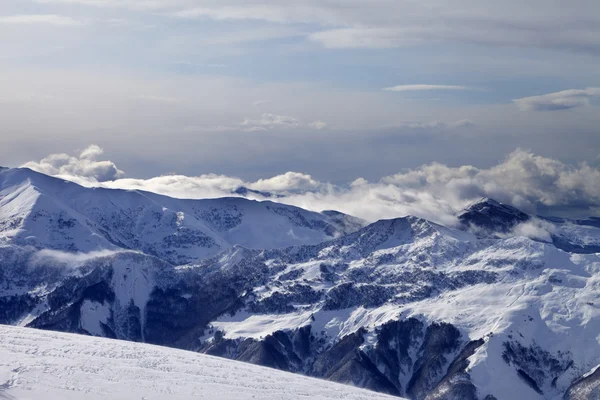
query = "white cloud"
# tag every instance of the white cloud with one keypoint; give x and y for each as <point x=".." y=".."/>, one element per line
<point x="345" y="38"/>
<point x="180" y="186"/>
<point x="563" y="100"/>
<point x="48" y="19"/>
<point x="385" y="23"/>
<point x="432" y="126"/>
<point x="84" y="167"/>
<point x="290" y="181"/>
<point x="47" y="257"/>
<point x="412" y="88"/>
<point x="91" y="152"/>
<point x="318" y="125"/>
<point x="270" y="121"/>
<point x="434" y="191"/>
<point x="535" y="228"/>
<point x="245" y="12"/>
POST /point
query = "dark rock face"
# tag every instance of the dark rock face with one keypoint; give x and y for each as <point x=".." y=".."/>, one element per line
<point x="456" y="385"/>
<point x="441" y="340"/>
<point x="492" y="216"/>
<point x="345" y="362"/>
<point x="407" y="358"/>
<point x="65" y="302"/>
<point x="534" y="365"/>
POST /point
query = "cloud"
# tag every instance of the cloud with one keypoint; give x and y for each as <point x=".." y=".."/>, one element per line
<point x="47" y="257"/>
<point x="563" y="100"/>
<point x="91" y="152"/>
<point x="269" y="121"/>
<point x="411" y="88"/>
<point x="387" y="24"/>
<point x="84" y="166"/>
<point x="345" y="38"/>
<point x="244" y="12"/>
<point x="535" y="228"/>
<point x="266" y="122"/>
<point x="48" y="19"/>
<point x="290" y="181"/>
<point x="463" y="123"/>
<point x="434" y="191"/>
<point x="433" y="125"/>
<point x="318" y="125"/>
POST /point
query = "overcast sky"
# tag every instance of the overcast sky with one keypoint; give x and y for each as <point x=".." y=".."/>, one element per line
<point x="334" y="89"/>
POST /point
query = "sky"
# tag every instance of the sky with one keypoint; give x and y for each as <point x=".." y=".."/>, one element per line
<point x="338" y="91"/>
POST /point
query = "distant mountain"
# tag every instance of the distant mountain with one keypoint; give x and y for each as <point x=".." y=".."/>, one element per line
<point x="493" y="216"/>
<point x="489" y="218"/>
<point x="401" y="306"/>
<point x="49" y="213"/>
<point x="244" y="191"/>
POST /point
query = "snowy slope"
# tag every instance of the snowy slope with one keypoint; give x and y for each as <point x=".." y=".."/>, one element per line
<point x="42" y="365"/>
<point x="536" y="309"/>
<point x="45" y="212"/>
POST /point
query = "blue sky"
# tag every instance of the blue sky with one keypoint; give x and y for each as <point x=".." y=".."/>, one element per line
<point x="255" y="89"/>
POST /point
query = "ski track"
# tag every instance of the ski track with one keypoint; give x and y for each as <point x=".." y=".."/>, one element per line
<point x="56" y="366"/>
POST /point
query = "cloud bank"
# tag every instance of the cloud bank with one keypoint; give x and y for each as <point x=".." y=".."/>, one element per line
<point x="435" y="191"/>
<point x="563" y="100"/>
<point x="387" y="24"/>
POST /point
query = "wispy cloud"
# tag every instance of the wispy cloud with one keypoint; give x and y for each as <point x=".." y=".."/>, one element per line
<point x="422" y="87"/>
<point x="563" y="100"/>
<point x="48" y="19"/>
<point x="318" y="125"/>
<point x="385" y="24"/>
<point x="268" y="121"/>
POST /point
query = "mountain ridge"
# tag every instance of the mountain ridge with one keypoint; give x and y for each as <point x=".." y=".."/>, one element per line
<point x="403" y="306"/>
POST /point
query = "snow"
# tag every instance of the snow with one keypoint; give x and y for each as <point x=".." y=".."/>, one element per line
<point x="258" y="326"/>
<point x="543" y="297"/>
<point x="49" y="213"/>
<point x="537" y="295"/>
<point x="92" y="314"/>
<point x="132" y="282"/>
<point x="56" y="366"/>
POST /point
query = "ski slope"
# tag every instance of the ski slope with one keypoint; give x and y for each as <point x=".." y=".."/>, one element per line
<point x="56" y="366"/>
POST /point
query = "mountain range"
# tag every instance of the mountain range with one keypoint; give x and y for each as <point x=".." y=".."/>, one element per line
<point x="502" y="305"/>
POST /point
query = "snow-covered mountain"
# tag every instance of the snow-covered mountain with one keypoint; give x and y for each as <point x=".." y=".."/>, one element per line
<point x="403" y="306"/>
<point x="488" y="218"/>
<point x="56" y="366"/>
<point x="48" y="213"/>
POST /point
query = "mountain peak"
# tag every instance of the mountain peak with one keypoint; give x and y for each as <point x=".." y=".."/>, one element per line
<point x="492" y="215"/>
<point x="244" y="191"/>
<point x="484" y="200"/>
